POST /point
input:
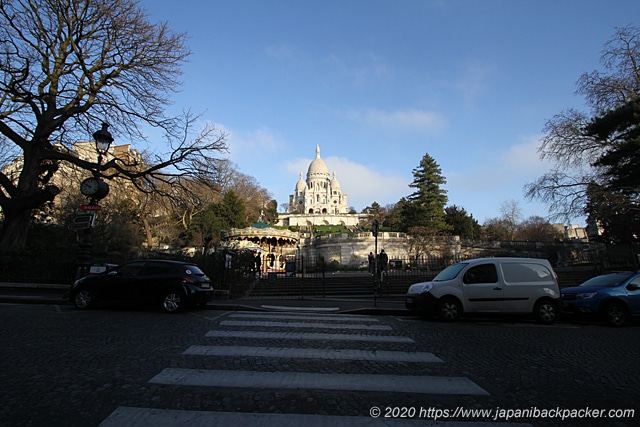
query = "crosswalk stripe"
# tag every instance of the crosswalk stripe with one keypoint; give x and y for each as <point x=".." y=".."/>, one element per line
<point x="345" y="318"/>
<point x="306" y="380"/>
<point x="142" y="417"/>
<point x="316" y="325"/>
<point x="308" y="336"/>
<point x="312" y="353"/>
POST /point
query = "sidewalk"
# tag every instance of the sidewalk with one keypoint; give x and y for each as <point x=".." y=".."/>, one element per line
<point x="27" y="293"/>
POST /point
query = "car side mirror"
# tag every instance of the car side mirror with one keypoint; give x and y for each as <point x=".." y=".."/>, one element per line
<point x="633" y="286"/>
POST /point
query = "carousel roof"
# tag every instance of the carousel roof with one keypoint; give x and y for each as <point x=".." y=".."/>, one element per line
<point x="259" y="230"/>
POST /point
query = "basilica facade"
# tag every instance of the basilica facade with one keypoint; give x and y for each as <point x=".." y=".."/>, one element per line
<point x="318" y="199"/>
<point x="319" y="193"/>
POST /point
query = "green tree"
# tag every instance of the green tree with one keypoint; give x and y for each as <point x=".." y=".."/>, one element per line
<point x="393" y="220"/>
<point x="614" y="201"/>
<point x="461" y="223"/>
<point x="271" y="212"/>
<point x="376" y="212"/>
<point x="425" y="206"/>
<point x="228" y="213"/>
<point x="67" y="66"/>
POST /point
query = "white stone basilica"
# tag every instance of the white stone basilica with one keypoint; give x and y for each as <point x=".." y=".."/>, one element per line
<point x="319" y="194"/>
<point x="319" y="200"/>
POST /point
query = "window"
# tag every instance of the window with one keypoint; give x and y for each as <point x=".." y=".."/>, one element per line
<point x="131" y="269"/>
<point x="483" y="273"/>
<point x="157" y="269"/>
<point x="514" y="273"/>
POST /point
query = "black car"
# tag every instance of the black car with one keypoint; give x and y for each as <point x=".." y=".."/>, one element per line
<point x="170" y="285"/>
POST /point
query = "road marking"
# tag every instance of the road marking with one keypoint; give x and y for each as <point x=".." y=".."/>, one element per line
<point x="315" y="381"/>
<point x="283" y="308"/>
<point x="312" y="353"/>
<point x="305" y="325"/>
<point x="142" y="417"/>
<point x="349" y="318"/>
<point x="307" y="336"/>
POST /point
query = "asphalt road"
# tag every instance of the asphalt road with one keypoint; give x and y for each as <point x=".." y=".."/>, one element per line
<point x="122" y="366"/>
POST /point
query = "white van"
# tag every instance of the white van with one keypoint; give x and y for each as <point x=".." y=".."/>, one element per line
<point x="489" y="285"/>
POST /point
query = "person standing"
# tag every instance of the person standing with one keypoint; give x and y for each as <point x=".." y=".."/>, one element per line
<point x="258" y="263"/>
<point x="384" y="261"/>
<point x="372" y="262"/>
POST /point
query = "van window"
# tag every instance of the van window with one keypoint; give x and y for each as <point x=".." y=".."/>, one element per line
<point x="483" y="273"/>
<point x="514" y="273"/>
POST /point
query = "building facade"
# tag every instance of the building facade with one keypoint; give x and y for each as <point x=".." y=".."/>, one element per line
<point x="319" y="200"/>
<point x="319" y="194"/>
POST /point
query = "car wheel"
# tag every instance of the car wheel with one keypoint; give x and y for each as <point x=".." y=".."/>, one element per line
<point x="615" y="314"/>
<point x="545" y="312"/>
<point x="449" y="310"/>
<point x="173" y="302"/>
<point x="84" y="299"/>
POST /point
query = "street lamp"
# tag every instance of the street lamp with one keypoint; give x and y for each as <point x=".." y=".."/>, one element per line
<point x="103" y="140"/>
<point x="95" y="189"/>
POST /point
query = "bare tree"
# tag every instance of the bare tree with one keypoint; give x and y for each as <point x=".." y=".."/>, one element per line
<point x="568" y="142"/>
<point x="65" y="67"/>
<point x="511" y="217"/>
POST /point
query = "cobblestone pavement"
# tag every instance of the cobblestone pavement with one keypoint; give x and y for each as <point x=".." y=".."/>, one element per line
<point x="64" y="367"/>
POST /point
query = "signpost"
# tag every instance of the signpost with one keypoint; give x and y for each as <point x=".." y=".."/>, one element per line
<point x="89" y="207"/>
<point x="84" y="218"/>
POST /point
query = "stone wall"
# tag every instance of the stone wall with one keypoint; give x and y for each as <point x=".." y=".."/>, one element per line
<point x="351" y="250"/>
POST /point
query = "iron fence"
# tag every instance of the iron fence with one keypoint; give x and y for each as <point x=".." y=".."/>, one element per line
<point x="237" y="274"/>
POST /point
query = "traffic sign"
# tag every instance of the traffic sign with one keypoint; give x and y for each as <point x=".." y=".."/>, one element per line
<point x="82" y="219"/>
<point x="79" y="226"/>
<point x="89" y="207"/>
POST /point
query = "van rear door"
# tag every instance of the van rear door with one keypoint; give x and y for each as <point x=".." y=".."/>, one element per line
<point x="524" y="283"/>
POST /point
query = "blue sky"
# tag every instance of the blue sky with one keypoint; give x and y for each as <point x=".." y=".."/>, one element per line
<point x="377" y="84"/>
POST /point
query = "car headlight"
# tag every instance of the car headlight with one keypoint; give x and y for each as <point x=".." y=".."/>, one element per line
<point x="586" y="295"/>
<point x="420" y="288"/>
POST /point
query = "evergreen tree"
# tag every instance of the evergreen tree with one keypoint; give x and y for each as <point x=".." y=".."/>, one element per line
<point x="228" y="213"/>
<point x="271" y="212"/>
<point x="425" y="206"/>
<point x="462" y="224"/>
<point x="614" y="201"/>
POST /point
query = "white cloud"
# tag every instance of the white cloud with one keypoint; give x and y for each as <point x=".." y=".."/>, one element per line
<point x="399" y="120"/>
<point x="524" y="158"/>
<point x="253" y="144"/>
<point x="481" y="185"/>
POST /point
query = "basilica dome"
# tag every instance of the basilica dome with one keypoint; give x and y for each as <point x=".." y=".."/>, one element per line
<point x="318" y="168"/>
<point x="335" y="184"/>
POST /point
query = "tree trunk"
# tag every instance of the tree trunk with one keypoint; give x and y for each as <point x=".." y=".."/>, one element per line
<point x="15" y="228"/>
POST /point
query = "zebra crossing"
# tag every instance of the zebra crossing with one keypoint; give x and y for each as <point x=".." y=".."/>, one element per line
<point x="253" y="329"/>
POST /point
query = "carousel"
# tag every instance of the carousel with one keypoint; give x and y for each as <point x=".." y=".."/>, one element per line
<point x="272" y="245"/>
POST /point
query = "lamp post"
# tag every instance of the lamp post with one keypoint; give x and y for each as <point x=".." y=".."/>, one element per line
<point x="95" y="189"/>
<point x="103" y="140"/>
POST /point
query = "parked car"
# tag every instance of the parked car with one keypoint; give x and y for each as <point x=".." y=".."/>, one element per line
<point x="169" y="285"/>
<point x="614" y="297"/>
<point x="489" y="285"/>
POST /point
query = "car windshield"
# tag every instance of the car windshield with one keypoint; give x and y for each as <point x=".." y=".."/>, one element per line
<point x="607" y="280"/>
<point x="450" y="272"/>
